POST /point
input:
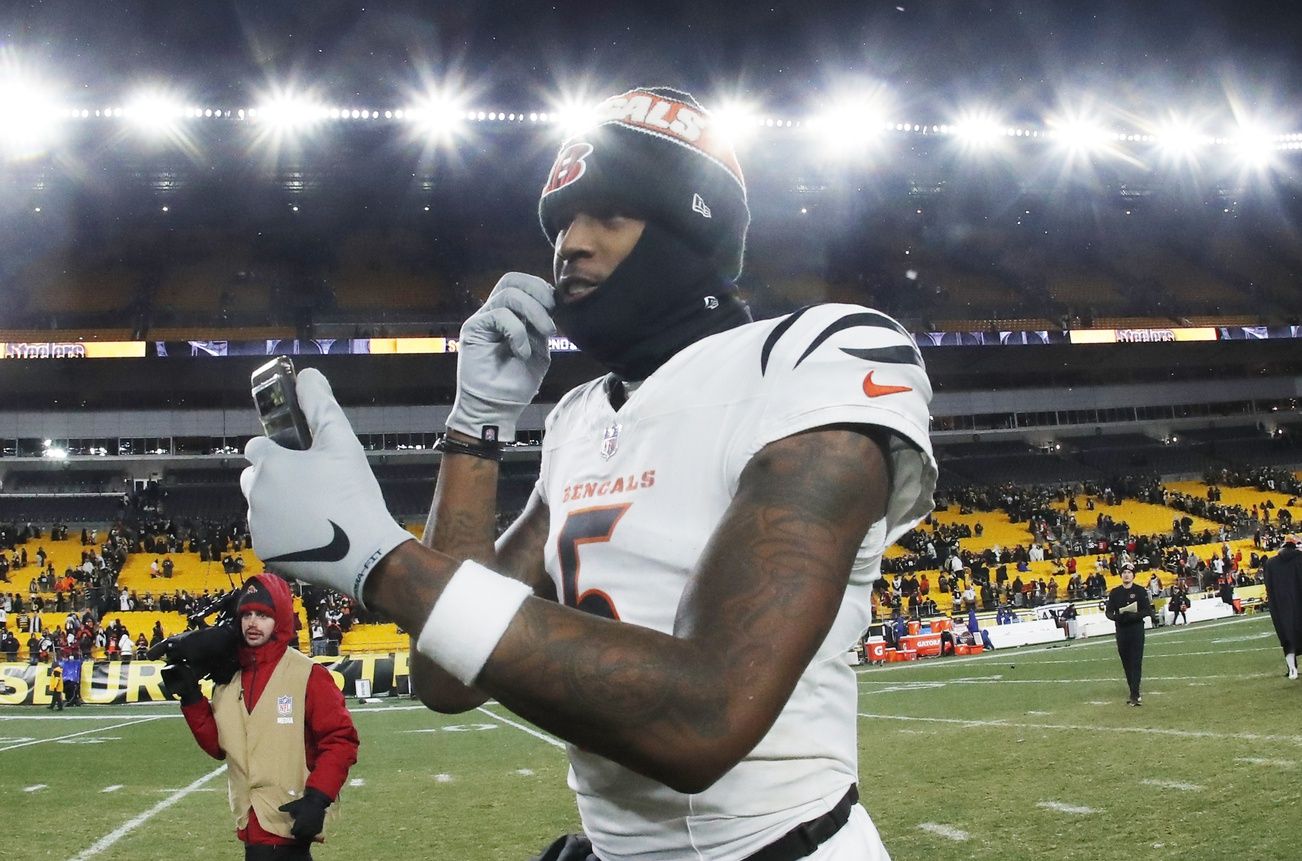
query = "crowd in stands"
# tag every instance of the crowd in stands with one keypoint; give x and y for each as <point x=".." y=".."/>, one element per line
<point x="1081" y="545"/>
<point x="76" y="634"/>
<point x="1000" y="579"/>
<point x="1266" y="479"/>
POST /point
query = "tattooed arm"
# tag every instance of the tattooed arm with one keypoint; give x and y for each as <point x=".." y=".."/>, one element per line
<point x="462" y="523"/>
<point x="684" y="708"/>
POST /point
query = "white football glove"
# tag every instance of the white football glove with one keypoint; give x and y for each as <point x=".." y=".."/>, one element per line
<point x="318" y="514"/>
<point x="503" y="357"/>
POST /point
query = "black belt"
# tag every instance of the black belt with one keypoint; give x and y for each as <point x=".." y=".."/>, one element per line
<point x="804" y="839"/>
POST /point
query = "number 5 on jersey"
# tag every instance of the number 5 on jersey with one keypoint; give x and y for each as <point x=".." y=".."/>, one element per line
<point x="586" y="526"/>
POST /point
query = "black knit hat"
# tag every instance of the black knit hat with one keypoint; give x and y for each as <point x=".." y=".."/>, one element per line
<point x="657" y="152"/>
<point x="255" y="596"/>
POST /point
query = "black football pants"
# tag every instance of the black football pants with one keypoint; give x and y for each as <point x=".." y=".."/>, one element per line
<point x="1130" y="645"/>
<point x="296" y="852"/>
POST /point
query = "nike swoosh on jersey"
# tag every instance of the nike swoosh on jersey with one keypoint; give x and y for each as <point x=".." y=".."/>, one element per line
<point x="877" y="390"/>
<point x="336" y="550"/>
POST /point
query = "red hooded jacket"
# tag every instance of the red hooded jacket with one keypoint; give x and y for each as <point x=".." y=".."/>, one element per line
<point x="330" y="736"/>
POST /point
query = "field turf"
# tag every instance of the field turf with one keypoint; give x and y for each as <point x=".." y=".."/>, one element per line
<point x="1020" y="754"/>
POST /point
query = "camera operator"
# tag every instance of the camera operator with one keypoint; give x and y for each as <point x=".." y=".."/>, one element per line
<point x="276" y="718"/>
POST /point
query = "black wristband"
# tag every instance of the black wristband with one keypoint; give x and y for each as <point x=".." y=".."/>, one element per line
<point x="486" y="450"/>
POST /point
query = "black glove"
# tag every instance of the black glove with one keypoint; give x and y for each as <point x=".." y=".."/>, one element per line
<point x="308" y="813"/>
<point x="181" y="682"/>
<point x="208" y="651"/>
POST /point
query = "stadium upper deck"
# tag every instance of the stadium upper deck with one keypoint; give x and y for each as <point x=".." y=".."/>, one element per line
<point x="358" y="232"/>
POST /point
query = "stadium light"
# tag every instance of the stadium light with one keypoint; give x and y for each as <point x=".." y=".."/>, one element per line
<point x="155" y="113"/>
<point x="437" y="116"/>
<point x="574" y="115"/>
<point x="1254" y="146"/>
<point x="978" y="129"/>
<point x="1179" y="139"/>
<point x="284" y="117"/>
<point x="29" y="116"/>
<point x="850" y="123"/>
<point x="286" y="111"/>
<point x="1079" y="135"/>
<point x="736" y="121"/>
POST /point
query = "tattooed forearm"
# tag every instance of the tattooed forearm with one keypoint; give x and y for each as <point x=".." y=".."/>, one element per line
<point x="769" y="587"/>
<point x="462" y="520"/>
<point x="684" y="707"/>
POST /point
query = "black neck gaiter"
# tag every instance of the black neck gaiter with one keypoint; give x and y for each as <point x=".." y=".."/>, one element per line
<point x="664" y="296"/>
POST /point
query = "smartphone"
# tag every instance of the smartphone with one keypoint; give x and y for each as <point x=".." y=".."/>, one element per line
<point x="275" y="396"/>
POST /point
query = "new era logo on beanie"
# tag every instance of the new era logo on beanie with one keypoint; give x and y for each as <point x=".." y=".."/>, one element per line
<point x="656" y="153"/>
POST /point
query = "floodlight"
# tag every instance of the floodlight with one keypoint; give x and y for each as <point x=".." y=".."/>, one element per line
<point x="155" y="113"/>
<point x="1254" y="146"/>
<point x="735" y="121"/>
<point x="1180" y="139"/>
<point x="28" y="114"/>
<point x="1078" y="134"/>
<point x="286" y="111"/>
<point x="574" y="116"/>
<point x="437" y="116"/>
<point x="977" y="129"/>
<point x="847" y="126"/>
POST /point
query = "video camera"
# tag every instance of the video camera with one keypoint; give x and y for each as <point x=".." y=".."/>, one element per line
<point x="203" y="651"/>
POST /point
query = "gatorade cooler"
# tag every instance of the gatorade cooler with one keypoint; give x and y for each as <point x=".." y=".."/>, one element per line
<point x="914" y="625"/>
<point x="874" y="649"/>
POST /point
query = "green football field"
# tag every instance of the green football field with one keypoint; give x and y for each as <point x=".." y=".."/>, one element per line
<point x="1020" y="754"/>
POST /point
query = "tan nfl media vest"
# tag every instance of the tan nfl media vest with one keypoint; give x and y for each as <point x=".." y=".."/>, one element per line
<point x="266" y="755"/>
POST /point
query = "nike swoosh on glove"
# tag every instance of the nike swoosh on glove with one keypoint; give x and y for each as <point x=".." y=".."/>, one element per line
<point x="503" y="357"/>
<point x="318" y="514"/>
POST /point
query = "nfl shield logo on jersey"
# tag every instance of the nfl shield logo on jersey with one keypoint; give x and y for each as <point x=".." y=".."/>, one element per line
<point x="284" y="706"/>
<point x="610" y="442"/>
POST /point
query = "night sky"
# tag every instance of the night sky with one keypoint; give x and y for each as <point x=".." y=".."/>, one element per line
<point x="1028" y="55"/>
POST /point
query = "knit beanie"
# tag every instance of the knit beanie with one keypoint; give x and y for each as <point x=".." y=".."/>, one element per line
<point x="656" y="153"/>
<point x="255" y="596"/>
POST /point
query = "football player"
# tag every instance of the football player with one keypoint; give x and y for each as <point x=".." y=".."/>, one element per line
<point x="698" y="551"/>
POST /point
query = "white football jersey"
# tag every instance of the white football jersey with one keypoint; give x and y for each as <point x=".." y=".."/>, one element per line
<point x="635" y="495"/>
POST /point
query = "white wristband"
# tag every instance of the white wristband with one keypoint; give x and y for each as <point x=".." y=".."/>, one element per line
<point x="469" y="618"/>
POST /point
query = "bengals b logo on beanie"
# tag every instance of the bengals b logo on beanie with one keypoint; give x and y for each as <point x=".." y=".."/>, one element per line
<point x="656" y="154"/>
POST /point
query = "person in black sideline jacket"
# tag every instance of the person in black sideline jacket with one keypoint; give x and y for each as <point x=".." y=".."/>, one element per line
<point x="1128" y="606"/>
<point x="1284" y="597"/>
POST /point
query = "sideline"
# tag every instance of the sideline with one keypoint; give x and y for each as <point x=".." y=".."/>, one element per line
<point x="1156" y="633"/>
<point x="1142" y="730"/>
<point x="132" y="824"/>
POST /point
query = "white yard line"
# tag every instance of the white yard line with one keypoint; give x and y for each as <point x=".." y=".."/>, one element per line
<point x="1177" y="733"/>
<point x="1173" y="784"/>
<point x="114" y="788"/>
<point x="949" y="832"/>
<point x="1065" y="808"/>
<point x="357" y="781"/>
<point x="1258" y="760"/>
<point x="75" y="734"/>
<point x="36" y="788"/>
<point x="95" y="716"/>
<point x="554" y="742"/>
<point x="131" y="824"/>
